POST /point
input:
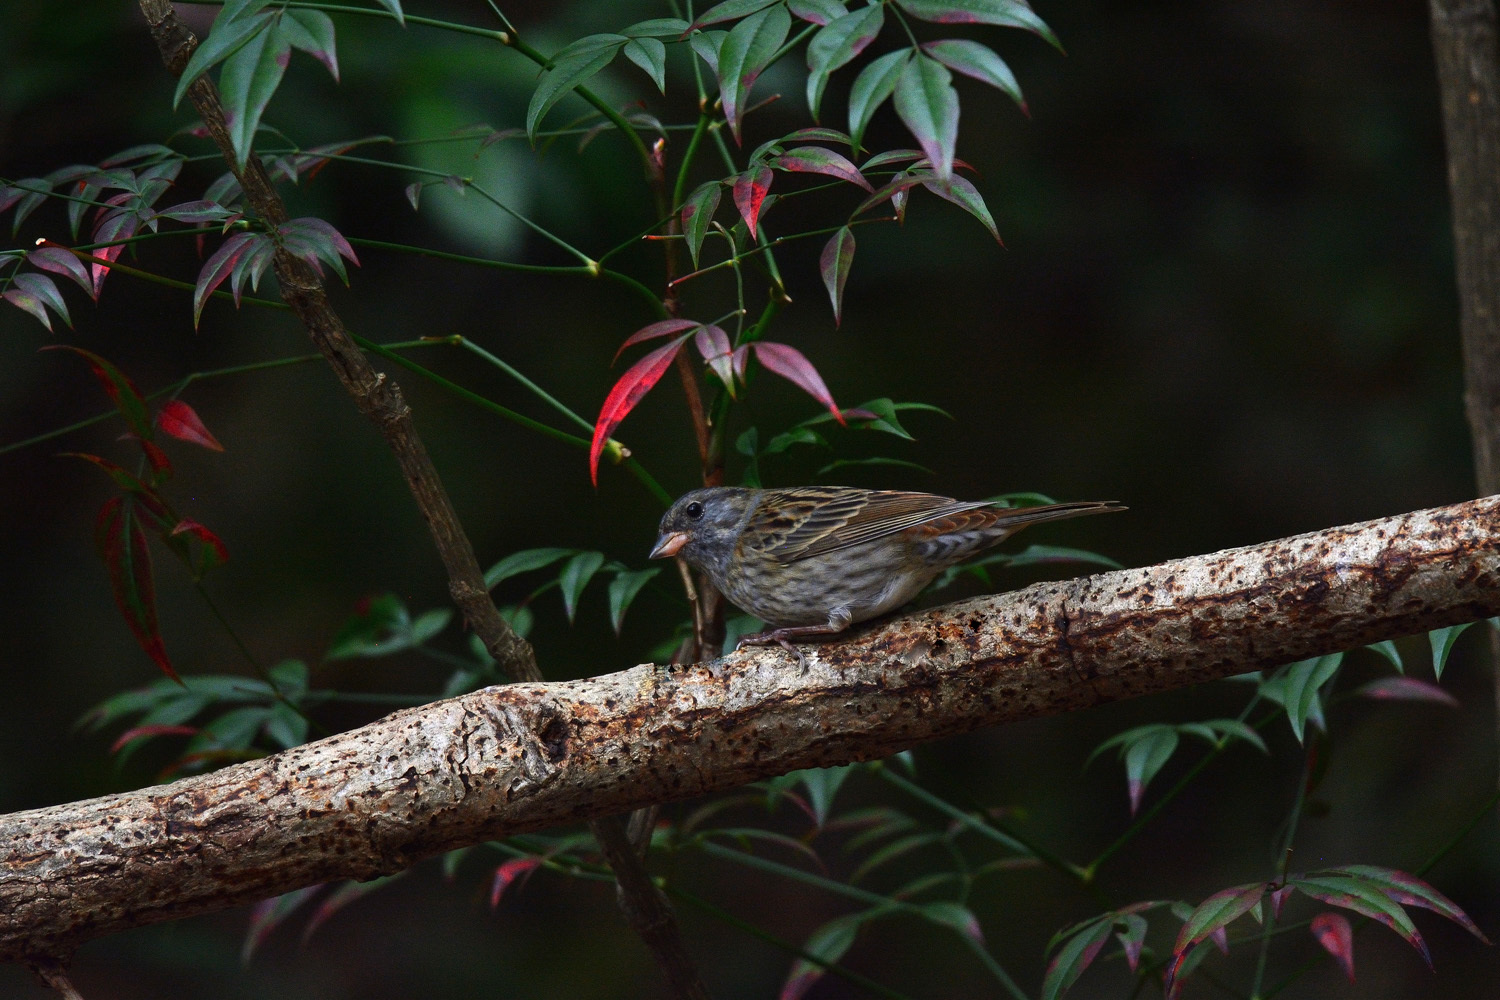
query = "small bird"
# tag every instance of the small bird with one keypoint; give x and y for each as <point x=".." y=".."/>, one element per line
<point x="813" y="560"/>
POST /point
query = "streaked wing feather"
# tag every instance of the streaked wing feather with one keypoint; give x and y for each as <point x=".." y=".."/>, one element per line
<point x="798" y="524"/>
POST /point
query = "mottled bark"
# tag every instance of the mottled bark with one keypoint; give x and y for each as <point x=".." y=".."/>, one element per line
<point x="1468" y="68"/>
<point x="522" y="757"/>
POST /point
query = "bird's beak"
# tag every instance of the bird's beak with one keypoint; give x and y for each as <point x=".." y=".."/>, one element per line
<point x="669" y="544"/>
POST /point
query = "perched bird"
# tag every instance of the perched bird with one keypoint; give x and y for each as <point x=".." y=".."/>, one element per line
<point x="812" y="560"/>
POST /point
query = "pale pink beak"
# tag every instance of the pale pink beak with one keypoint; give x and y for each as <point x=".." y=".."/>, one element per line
<point x="669" y="545"/>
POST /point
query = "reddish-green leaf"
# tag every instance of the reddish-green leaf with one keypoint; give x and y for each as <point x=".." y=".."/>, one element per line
<point x="627" y="392"/>
<point x="340" y="898"/>
<point x="1217" y="912"/>
<point x="1076" y="954"/>
<point x="571" y="67"/>
<point x="112" y="227"/>
<point x="1144" y="759"/>
<point x="818" y="12"/>
<point x="268" y="914"/>
<point x="1403" y="688"/>
<point x="220" y="265"/>
<point x="698" y="215"/>
<point x="1408" y="890"/>
<point x="730" y="10"/>
<point x="746" y="51"/>
<point x="181" y="421"/>
<point x="750" y="190"/>
<point x="713" y="344"/>
<point x="927" y="103"/>
<point x="34" y="293"/>
<point x="122" y="545"/>
<point x="978" y="61"/>
<point x="661" y="328"/>
<point x="836" y="44"/>
<point x="817" y="160"/>
<point x="1365" y="898"/>
<point x="871" y="87"/>
<point x="310" y="31"/>
<point x="825" y="945"/>
<point x="394" y="6"/>
<point x="1336" y="936"/>
<point x="967" y="197"/>
<point x="834" y="264"/>
<point x="1004" y="13"/>
<point x="229" y="34"/>
<point x="121" y="391"/>
<point x="314" y="240"/>
<point x="251" y="266"/>
<point x="249" y="78"/>
<point x="211" y="554"/>
<point x="792" y="365"/>
<point x="64" y="262"/>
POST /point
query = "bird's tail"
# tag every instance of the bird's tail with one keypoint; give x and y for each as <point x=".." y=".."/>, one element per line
<point x="1022" y="516"/>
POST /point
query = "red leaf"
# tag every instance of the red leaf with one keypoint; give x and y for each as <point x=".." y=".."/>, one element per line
<point x="661" y="328"/>
<point x="122" y="546"/>
<point x="508" y="873"/>
<point x="142" y="732"/>
<point x="634" y="384"/>
<point x="121" y="390"/>
<point x="792" y="365"/>
<point x="122" y="477"/>
<point x="750" y="190"/>
<point x="1334" y="933"/>
<point x="181" y="421"/>
<point x="161" y="465"/>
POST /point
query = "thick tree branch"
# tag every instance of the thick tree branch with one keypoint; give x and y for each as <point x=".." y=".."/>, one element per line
<point x="530" y="756"/>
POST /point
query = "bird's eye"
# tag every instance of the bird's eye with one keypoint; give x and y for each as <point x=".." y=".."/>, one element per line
<point x="694" y="510"/>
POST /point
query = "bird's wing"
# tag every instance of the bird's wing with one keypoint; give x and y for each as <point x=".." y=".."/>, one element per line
<point x="798" y="524"/>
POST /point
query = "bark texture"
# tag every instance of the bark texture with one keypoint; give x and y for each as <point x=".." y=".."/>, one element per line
<point x="529" y="756"/>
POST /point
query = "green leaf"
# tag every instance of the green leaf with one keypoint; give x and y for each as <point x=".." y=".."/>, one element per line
<point x="657" y="27"/>
<point x="698" y="215"/>
<point x="290" y="677"/>
<point x="250" y="76"/>
<point x="622" y="590"/>
<point x="795" y="436"/>
<point x="1296" y="688"/>
<point x="745" y="53"/>
<point x="1042" y="555"/>
<point x="519" y="618"/>
<point x="651" y="56"/>
<point x="707" y="44"/>
<point x="955" y="916"/>
<point x="234" y="730"/>
<point x="927" y="103"/>
<point x="730" y="10"/>
<point x="1234" y="729"/>
<point x="522" y="562"/>
<point x="227" y="37"/>
<point x="978" y="61"/>
<point x="1003" y="13"/>
<point x="371" y="630"/>
<point x="571" y="67"/>
<point x="575" y="576"/>
<point x="822" y="784"/>
<point x="285" y="726"/>
<point x="1218" y="911"/>
<point x="394" y="6"/>
<point x="859" y="463"/>
<point x="1387" y="649"/>
<point x="870" y="89"/>
<point x="1441" y="640"/>
<point x="836" y="44"/>
<point x="429" y="624"/>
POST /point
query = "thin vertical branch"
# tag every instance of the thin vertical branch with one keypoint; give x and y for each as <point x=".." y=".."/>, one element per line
<point x="1468" y="69"/>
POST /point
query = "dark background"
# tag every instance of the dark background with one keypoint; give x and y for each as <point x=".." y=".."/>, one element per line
<point x="1226" y="298"/>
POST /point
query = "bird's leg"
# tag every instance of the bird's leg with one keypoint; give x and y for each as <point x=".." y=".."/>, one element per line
<point x="837" y="622"/>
